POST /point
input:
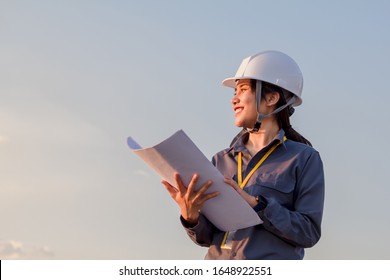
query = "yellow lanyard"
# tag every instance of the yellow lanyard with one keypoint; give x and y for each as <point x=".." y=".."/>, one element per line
<point x="239" y="165"/>
<point x="228" y="238"/>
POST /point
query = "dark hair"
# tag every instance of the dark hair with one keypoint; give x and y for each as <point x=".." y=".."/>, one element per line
<point x="283" y="116"/>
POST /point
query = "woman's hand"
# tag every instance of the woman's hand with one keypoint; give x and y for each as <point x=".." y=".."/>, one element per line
<point x="250" y="199"/>
<point x="189" y="200"/>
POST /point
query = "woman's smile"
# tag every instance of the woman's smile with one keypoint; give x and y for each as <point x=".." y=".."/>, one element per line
<point x="238" y="109"/>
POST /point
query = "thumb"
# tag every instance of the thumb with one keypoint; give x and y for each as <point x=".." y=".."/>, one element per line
<point x="232" y="183"/>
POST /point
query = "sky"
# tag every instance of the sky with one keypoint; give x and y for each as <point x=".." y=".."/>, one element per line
<point x="78" y="77"/>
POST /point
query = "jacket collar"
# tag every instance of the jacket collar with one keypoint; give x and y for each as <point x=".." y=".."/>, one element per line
<point x="238" y="143"/>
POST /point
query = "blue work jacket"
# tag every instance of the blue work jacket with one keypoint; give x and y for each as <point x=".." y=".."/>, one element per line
<point x="290" y="185"/>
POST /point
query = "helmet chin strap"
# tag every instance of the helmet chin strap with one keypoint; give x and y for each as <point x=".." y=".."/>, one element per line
<point x="260" y="116"/>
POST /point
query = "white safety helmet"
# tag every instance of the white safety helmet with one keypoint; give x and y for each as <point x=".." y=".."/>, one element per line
<point x="273" y="67"/>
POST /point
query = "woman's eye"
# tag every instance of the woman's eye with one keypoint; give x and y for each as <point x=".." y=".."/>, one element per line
<point x="240" y="90"/>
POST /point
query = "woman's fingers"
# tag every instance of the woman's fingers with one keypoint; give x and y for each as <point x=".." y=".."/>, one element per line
<point x="192" y="184"/>
<point x="208" y="196"/>
<point x="180" y="185"/>
<point x="189" y="193"/>
<point x="204" y="188"/>
<point x="232" y="183"/>
<point x="201" y="193"/>
<point x="171" y="189"/>
<point x="250" y="199"/>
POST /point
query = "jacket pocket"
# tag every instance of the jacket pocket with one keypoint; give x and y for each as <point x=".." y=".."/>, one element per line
<point x="275" y="182"/>
<point x="271" y="185"/>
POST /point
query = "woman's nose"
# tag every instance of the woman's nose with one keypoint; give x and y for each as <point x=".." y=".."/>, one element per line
<point x="234" y="100"/>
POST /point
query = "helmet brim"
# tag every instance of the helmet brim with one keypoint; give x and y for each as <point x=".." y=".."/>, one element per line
<point x="231" y="82"/>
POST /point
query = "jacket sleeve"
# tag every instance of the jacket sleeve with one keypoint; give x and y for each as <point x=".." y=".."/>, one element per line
<point x="202" y="233"/>
<point x="300" y="226"/>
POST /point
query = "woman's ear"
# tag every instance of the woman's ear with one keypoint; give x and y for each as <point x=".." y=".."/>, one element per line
<point x="272" y="98"/>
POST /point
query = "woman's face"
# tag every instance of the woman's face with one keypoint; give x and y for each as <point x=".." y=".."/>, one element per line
<point x="244" y="104"/>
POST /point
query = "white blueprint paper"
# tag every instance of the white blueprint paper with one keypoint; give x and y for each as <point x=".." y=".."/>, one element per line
<point x="228" y="211"/>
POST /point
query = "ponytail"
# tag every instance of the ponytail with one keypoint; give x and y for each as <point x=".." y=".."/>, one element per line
<point x="283" y="116"/>
<point x="284" y="122"/>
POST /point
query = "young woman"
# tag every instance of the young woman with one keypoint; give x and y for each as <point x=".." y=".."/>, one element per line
<point x="269" y="164"/>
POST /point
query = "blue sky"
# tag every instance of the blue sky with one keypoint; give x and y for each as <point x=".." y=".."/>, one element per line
<point x="78" y="77"/>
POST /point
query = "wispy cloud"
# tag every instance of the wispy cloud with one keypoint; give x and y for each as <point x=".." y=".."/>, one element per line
<point x="11" y="249"/>
<point x="141" y="172"/>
